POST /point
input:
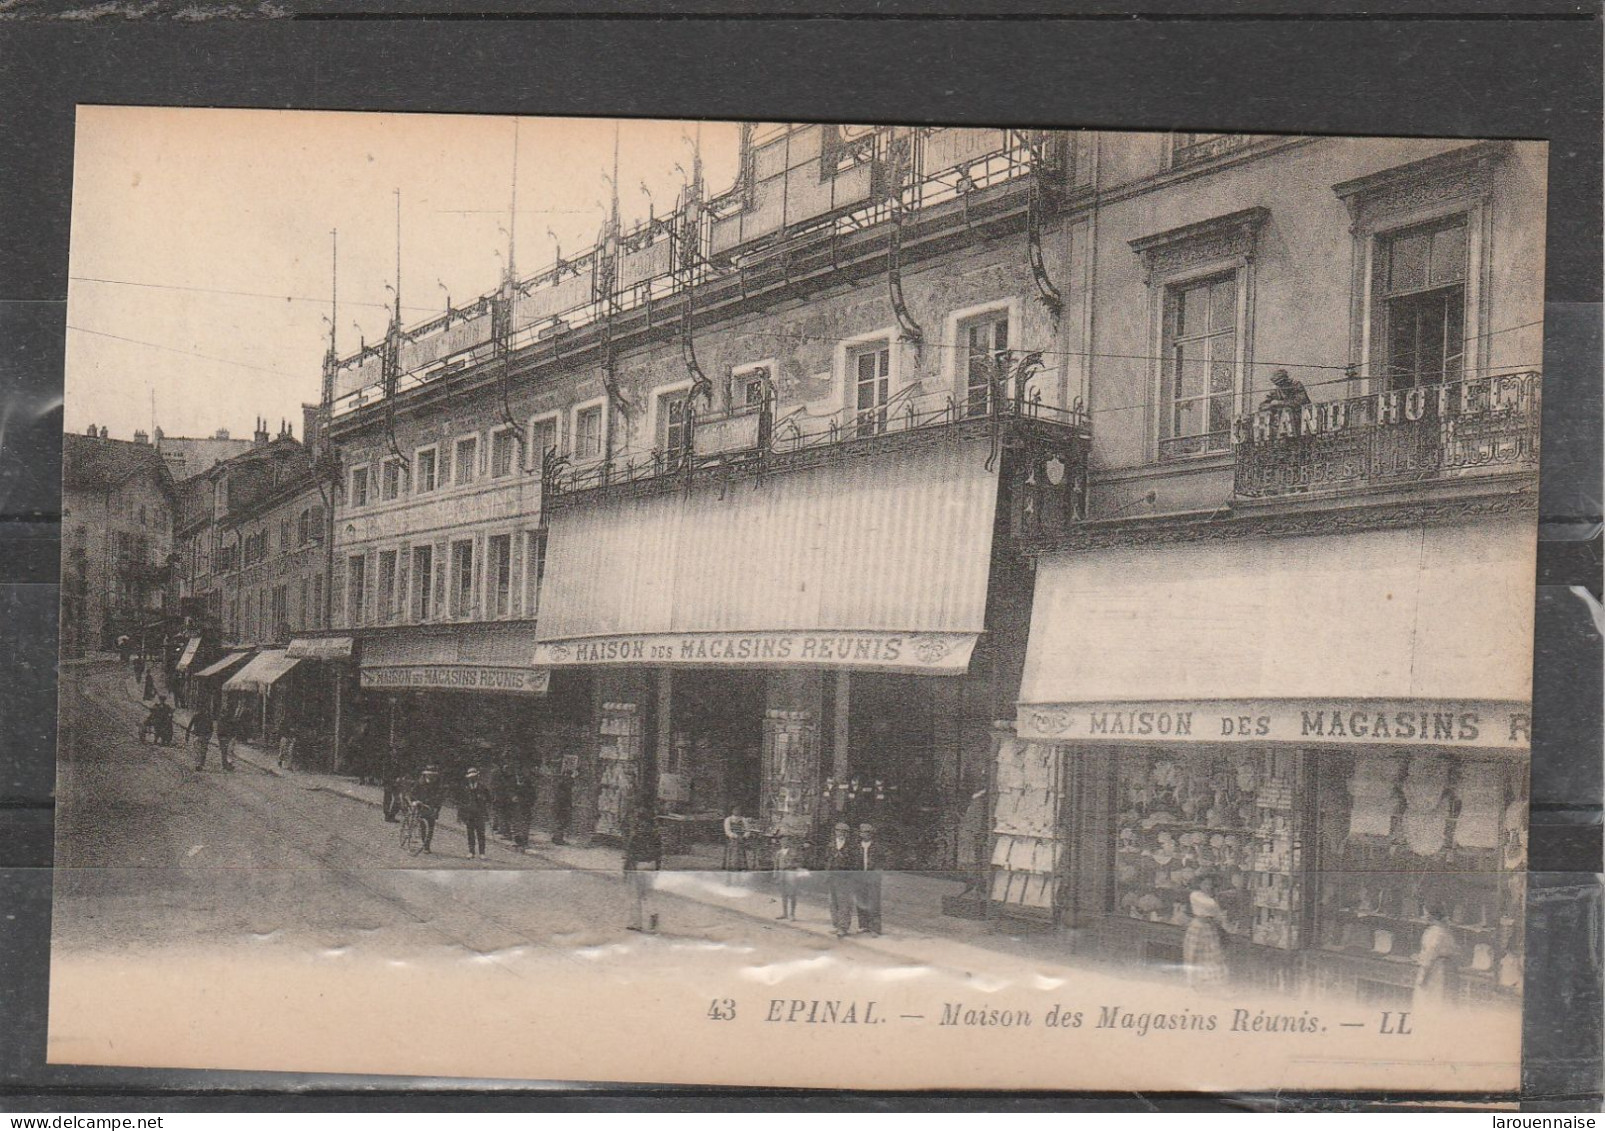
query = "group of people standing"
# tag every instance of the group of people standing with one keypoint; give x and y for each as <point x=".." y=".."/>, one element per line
<point x="500" y="801"/>
<point x="854" y="866"/>
<point x="204" y="725"/>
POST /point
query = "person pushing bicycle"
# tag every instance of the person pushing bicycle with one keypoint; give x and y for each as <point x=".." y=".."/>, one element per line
<point x="427" y="797"/>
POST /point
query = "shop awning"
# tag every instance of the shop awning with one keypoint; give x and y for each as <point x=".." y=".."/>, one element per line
<point x="1412" y="635"/>
<point x="269" y="666"/>
<point x="321" y="648"/>
<point x="227" y="664"/>
<point x="188" y="658"/>
<point x="466" y="657"/>
<point x="879" y="562"/>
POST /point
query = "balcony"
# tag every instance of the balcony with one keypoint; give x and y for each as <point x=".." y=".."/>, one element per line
<point x="1041" y="448"/>
<point x="1430" y="434"/>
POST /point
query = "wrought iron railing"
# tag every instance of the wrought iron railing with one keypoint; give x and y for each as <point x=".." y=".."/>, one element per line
<point x="777" y="440"/>
<point x="1485" y="425"/>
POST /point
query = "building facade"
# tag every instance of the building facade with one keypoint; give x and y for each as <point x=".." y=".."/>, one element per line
<point x="117" y="517"/>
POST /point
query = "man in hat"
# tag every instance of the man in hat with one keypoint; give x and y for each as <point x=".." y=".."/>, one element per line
<point x="868" y="862"/>
<point x="839" y="863"/>
<point x="473" y="809"/>
<point x="427" y="798"/>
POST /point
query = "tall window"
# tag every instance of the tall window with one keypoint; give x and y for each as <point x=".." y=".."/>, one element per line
<point x="535" y="571"/>
<point x="500" y="547"/>
<point x="1198" y="376"/>
<point x="462" y="579"/>
<point x="748" y="387"/>
<point x="356" y="592"/>
<point x="872" y="380"/>
<point x="985" y="346"/>
<point x="503" y="445"/>
<point x="588" y="433"/>
<point x="394" y="482"/>
<point x="426" y="472"/>
<point x="387" y="585"/>
<point x="316" y="617"/>
<point x="423" y="581"/>
<point x="672" y="424"/>
<point x="467" y="456"/>
<point x="542" y="439"/>
<point x="303" y="613"/>
<point x="303" y="529"/>
<point x="359" y="486"/>
<point x="1421" y="292"/>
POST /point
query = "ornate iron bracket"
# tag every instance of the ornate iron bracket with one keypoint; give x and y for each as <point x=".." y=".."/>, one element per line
<point x="910" y="330"/>
<point x="390" y="375"/>
<point x="1047" y="292"/>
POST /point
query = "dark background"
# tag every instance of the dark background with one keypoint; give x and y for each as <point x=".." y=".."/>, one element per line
<point x="1472" y="68"/>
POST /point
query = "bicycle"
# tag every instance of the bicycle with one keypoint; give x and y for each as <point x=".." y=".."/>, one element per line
<point x="412" y="837"/>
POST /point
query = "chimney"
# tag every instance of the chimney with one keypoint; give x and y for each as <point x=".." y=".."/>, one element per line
<point x="261" y="436"/>
<point x="93" y="431"/>
<point x="220" y="434"/>
<point x="141" y="436"/>
<point x="309" y="425"/>
<point x="158" y="435"/>
<point x="104" y="434"/>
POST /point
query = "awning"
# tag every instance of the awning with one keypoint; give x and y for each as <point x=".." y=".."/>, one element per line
<point x="877" y="562"/>
<point x="227" y="664"/>
<point x="465" y="657"/>
<point x="269" y="666"/>
<point x="321" y="648"/>
<point x="188" y="658"/>
<point x="1405" y="636"/>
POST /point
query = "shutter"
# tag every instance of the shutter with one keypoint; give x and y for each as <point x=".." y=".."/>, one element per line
<point x="476" y="601"/>
<point x="337" y="591"/>
<point x="370" y="588"/>
<point x="442" y="563"/>
<point x="403" y="590"/>
<point x="515" y="589"/>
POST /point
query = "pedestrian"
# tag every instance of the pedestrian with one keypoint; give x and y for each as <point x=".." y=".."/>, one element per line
<point x="499" y="783"/>
<point x="472" y="810"/>
<point x="735" y="841"/>
<point x="426" y="798"/>
<point x="1434" y="961"/>
<point x="287" y="749"/>
<point x="522" y="805"/>
<point x="199" y="732"/>
<point x="839" y="864"/>
<point x="869" y="861"/>
<point x="122" y="648"/>
<point x="563" y="801"/>
<point x="162" y="721"/>
<point x="789" y="852"/>
<point x="643" y="855"/>
<point x="390" y="777"/>
<point x="150" y="685"/>
<point x="227" y="727"/>
<point x="1203" y="954"/>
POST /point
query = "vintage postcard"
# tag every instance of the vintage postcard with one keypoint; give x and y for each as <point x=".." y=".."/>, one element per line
<point x="796" y="604"/>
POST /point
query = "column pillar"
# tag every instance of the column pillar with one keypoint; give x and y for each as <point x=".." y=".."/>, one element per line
<point x="839" y="752"/>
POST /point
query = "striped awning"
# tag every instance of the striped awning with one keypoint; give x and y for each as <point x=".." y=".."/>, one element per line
<point x="877" y="563"/>
<point x="188" y="658"/>
<point x="269" y="666"/>
<point x="227" y="664"/>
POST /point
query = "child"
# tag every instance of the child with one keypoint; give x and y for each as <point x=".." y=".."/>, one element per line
<point x="788" y="873"/>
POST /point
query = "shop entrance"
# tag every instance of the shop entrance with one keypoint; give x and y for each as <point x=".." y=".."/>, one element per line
<point x="712" y="764"/>
<point x="891" y="761"/>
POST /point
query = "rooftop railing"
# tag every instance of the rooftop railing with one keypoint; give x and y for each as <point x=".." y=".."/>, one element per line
<point x="1426" y="433"/>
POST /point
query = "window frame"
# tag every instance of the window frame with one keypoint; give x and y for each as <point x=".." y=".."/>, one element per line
<point x="575" y="435"/>
<point x="535" y="457"/>
<point x="457" y="479"/>
<point x="848" y="352"/>
<point x="403" y="479"/>
<point x="659" y="396"/>
<point x="740" y="375"/>
<point x="356" y="587"/>
<point x="418" y="453"/>
<point x="498" y="605"/>
<point x="514" y="462"/>
<point x="387" y="593"/>
<point x="420" y="601"/>
<point x="1379" y="331"/>
<point x="955" y="359"/>
<point x="456" y="592"/>
<point x="351" y="486"/>
<point x="1171" y="291"/>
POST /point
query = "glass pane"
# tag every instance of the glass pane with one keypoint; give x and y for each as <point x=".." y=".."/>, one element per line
<point x="1190" y="373"/>
<point x="1186" y="419"/>
<point x="1180" y="312"/>
<point x="1223" y="304"/>
<point x="1002" y="337"/>
<point x="1220" y="414"/>
<point x="1449" y="255"/>
<point x="1430" y="339"/>
<point x="1221" y="377"/>
<point x="1408" y="262"/>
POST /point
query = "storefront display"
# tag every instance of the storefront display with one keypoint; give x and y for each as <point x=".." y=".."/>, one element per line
<point x="1026" y="847"/>
<point x="619" y="751"/>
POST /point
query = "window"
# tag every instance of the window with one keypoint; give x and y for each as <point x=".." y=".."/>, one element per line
<point x="501" y="574"/>
<point x="302" y="620"/>
<point x="748" y="388"/>
<point x="359" y="486"/>
<point x="1198" y="374"/>
<point x="1189" y="148"/>
<point x="393" y="483"/>
<point x="304" y="529"/>
<point x="588" y="433"/>
<point x="1421" y="303"/>
<point x="673" y="425"/>
<point x="317" y="601"/>
<point x="356" y="576"/>
<point x="503" y="447"/>
<point x="466" y="458"/>
<point x="542" y="440"/>
<point x="425" y="463"/>
<point x="984" y="346"/>
<point x="462" y="579"/>
<point x="284" y="536"/>
<point x="387" y="585"/>
<point x="872" y="379"/>
<point x="423" y="581"/>
<point x="316" y="531"/>
<point x="535" y="571"/>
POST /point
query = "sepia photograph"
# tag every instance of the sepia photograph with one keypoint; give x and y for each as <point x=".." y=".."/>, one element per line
<point x="796" y="604"/>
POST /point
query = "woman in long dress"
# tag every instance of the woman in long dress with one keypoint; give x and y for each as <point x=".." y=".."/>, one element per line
<point x="1202" y="953"/>
<point x="1434" y="962"/>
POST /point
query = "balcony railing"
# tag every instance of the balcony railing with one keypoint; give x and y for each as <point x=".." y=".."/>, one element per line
<point x="1428" y="433"/>
<point x="761" y="442"/>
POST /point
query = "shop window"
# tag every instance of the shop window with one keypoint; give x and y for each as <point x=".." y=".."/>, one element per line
<point x="1199" y="370"/>
<point x="462" y="578"/>
<point x="535" y="571"/>
<point x="588" y="433"/>
<point x="359" y="486"/>
<point x="1420" y="310"/>
<point x="423" y="580"/>
<point x="1408" y="837"/>
<point x="394" y="481"/>
<point x="871" y="376"/>
<point x="356" y="578"/>
<point x="1235" y="816"/>
<point x="387" y="585"/>
<point x="984" y="350"/>
<point x="500" y="547"/>
<point x="465" y="460"/>
<point x="425" y="459"/>
<point x="503" y="449"/>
